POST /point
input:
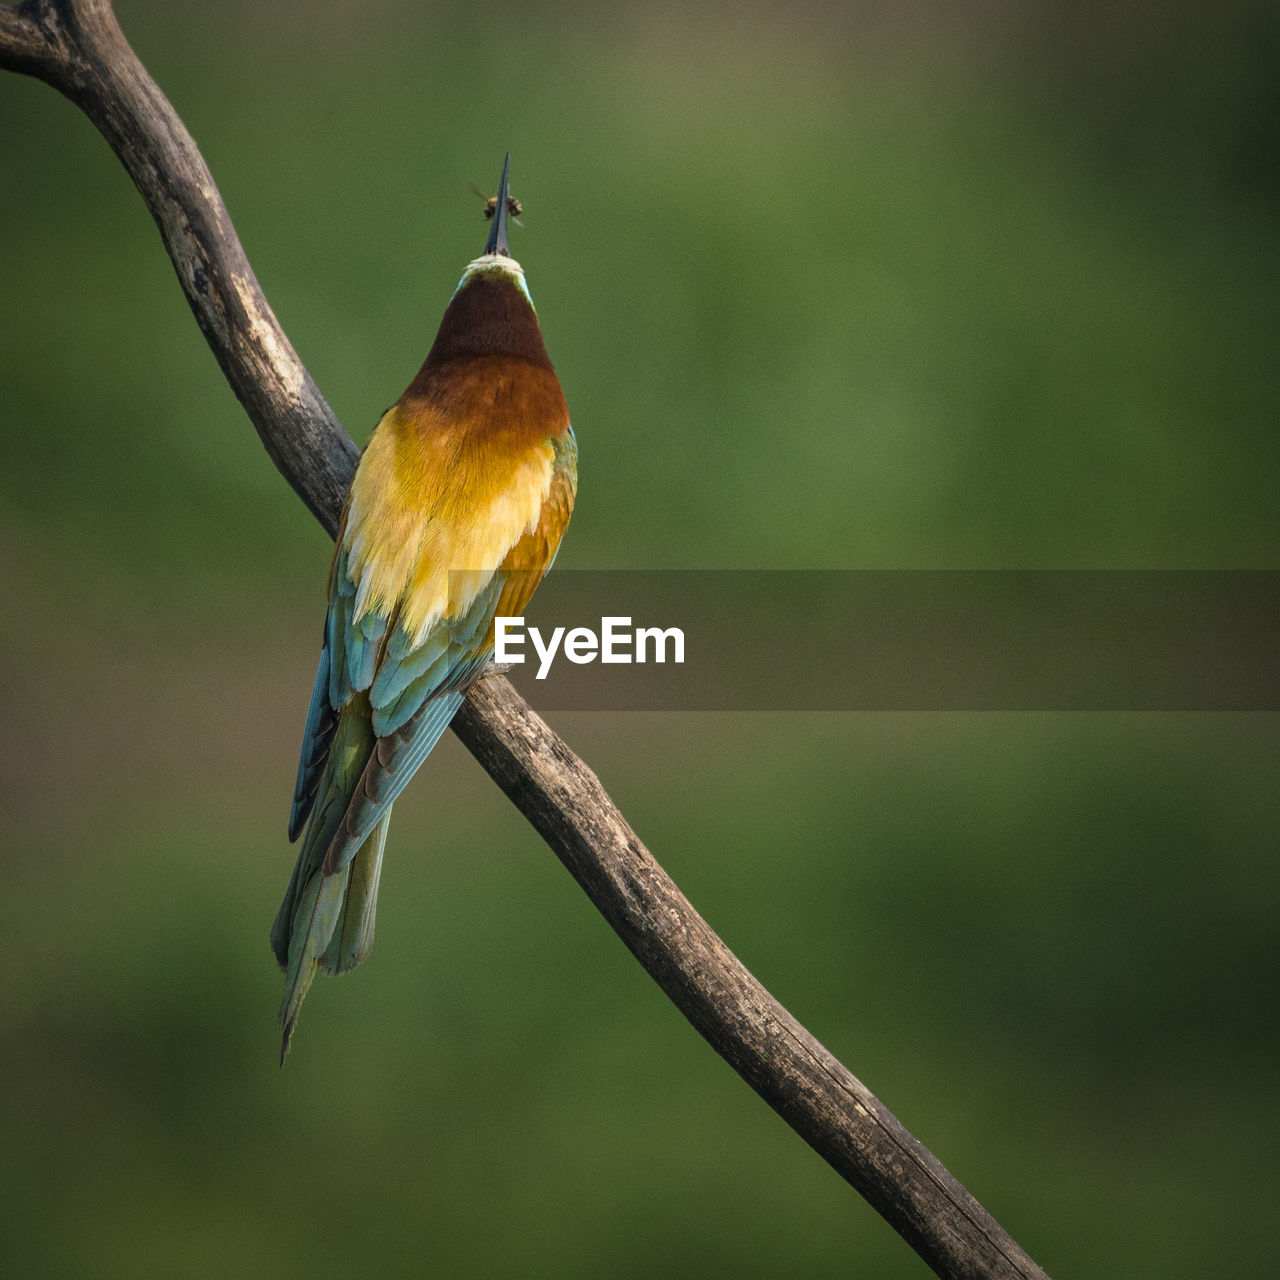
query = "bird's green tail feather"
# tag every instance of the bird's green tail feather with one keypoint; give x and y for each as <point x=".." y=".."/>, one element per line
<point x="354" y="935"/>
<point x="326" y="922"/>
<point x="332" y="926"/>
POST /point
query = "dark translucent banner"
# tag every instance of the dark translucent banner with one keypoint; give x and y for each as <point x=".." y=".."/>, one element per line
<point x="901" y="641"/>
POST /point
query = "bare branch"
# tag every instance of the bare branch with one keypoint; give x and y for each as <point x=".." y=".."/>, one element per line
<point x="86" y="57"/>
<point x="23" y="45"/>
<point x="818" y="1097"/>
<point x="77" y="46"/>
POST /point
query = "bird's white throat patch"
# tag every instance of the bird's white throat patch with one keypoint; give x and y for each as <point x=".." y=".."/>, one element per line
<point x="500" y="264"/>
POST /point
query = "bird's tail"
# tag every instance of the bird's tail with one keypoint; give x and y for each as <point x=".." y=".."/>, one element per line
<point x="326" y="921"/>
<point x="326" y="924"/>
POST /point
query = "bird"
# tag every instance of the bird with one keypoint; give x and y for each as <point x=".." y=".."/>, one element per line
<point x="454" y="515"/>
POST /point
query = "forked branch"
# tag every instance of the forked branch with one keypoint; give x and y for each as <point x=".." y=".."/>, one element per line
<point x="77" y="47"/>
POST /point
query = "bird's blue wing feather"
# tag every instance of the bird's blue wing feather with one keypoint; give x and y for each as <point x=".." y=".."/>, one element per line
<point x="349" y="655"/>
<point x="416" y="692"/>
<point x="317" y="735"/>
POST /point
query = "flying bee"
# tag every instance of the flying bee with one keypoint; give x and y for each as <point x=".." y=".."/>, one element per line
<point x="514" y="207"/>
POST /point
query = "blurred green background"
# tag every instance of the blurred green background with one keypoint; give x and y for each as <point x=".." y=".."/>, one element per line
<point x="827" y="286"/>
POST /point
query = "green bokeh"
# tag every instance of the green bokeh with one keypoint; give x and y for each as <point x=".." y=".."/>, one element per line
<point x="826" y="288"/>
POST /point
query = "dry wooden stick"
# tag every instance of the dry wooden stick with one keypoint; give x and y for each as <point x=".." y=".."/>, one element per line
<point x="77" y="47"/>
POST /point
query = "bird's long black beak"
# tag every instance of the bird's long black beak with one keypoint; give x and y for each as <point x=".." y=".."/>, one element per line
<point x="498" y="231"/>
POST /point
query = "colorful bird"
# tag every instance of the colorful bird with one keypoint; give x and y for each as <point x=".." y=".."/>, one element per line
<point x="454" y="516"/>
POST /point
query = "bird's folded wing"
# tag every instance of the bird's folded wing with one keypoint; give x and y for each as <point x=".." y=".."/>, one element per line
<point x="348" y="657"/>
<point x="413" y="697"/>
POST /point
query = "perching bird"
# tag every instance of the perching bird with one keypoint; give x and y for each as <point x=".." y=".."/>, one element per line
<point x="454" y="515"/>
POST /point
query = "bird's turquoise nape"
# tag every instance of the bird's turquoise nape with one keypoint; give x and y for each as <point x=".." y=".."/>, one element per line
<point x="453" y="517"/>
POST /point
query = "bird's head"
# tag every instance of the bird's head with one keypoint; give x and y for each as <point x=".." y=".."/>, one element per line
<point x="491" y="312"/>
<point x="496" y="262"/>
